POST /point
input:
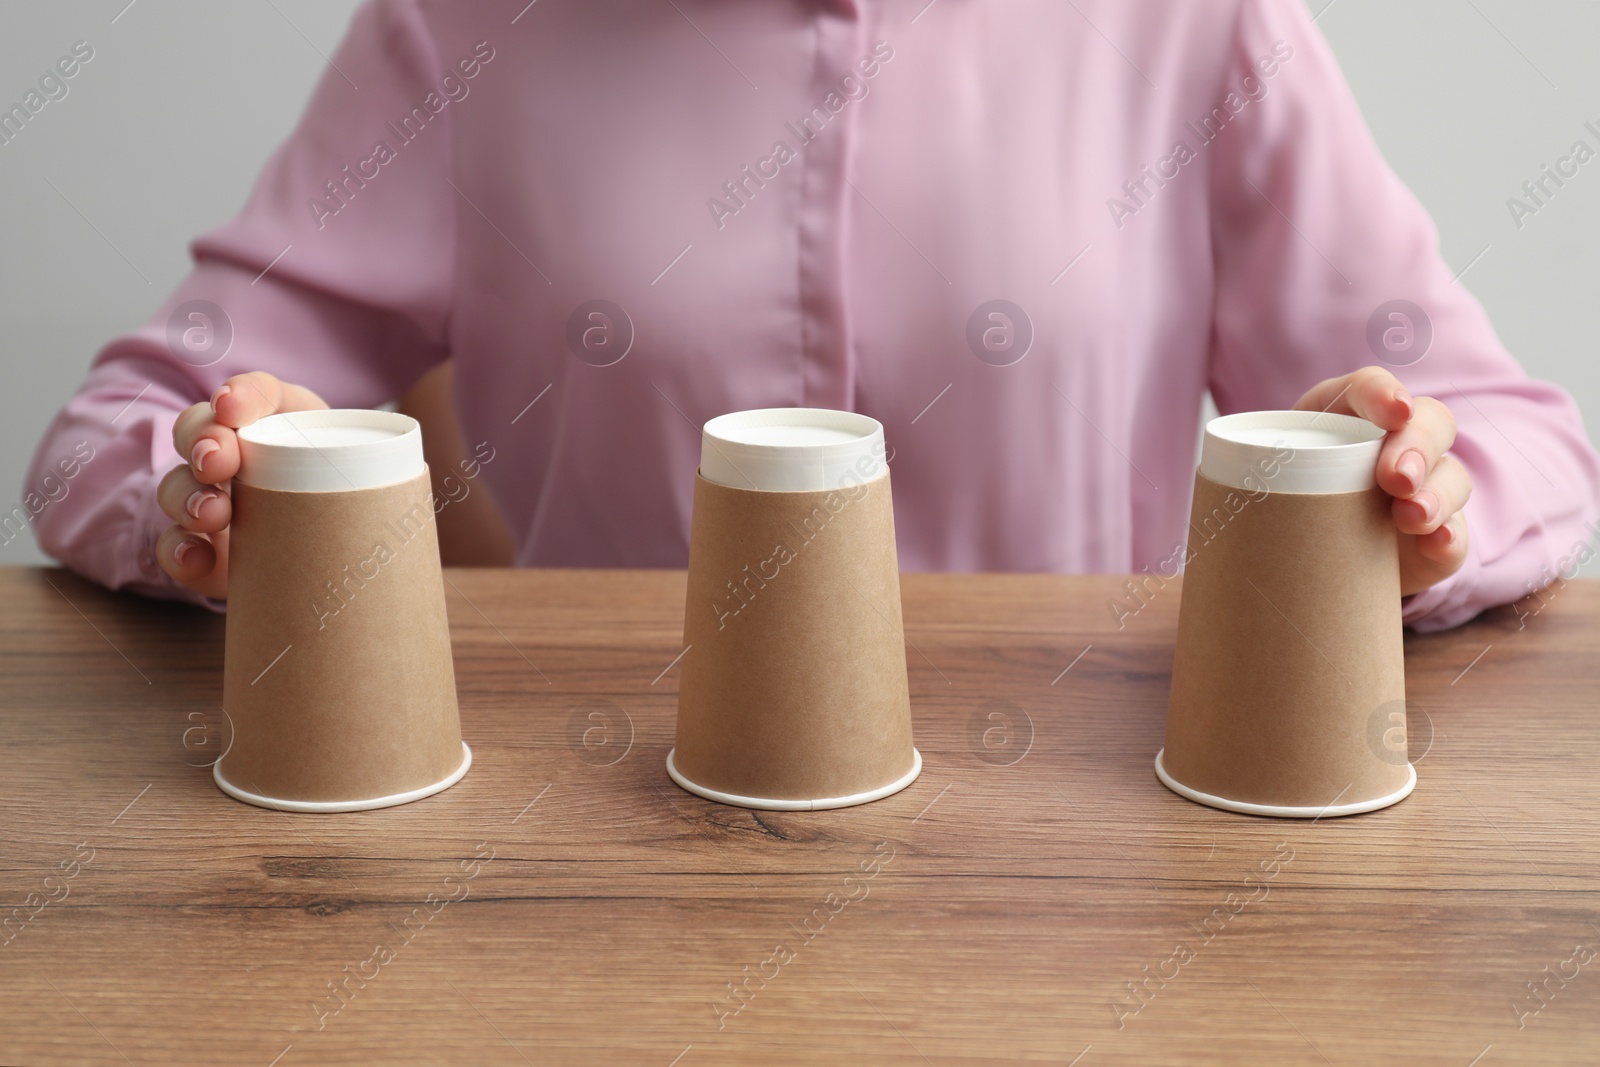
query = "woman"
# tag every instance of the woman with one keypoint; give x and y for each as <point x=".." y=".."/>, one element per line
<point x="1025" y="236"/>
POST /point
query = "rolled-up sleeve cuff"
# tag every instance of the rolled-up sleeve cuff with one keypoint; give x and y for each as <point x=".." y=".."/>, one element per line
<point x="1447" y="604"/>
<point x="146" y="576"/>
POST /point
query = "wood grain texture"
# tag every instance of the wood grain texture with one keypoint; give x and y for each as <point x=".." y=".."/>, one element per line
<point x="1034" y="870"/>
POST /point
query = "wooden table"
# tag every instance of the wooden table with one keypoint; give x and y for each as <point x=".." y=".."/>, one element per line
<point x="1034" y="870"/>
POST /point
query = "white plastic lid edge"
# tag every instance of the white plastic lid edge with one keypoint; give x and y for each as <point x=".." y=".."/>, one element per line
<point x="793" y="468"/>
<point x="1349" y="467"/>
<point x="306" y="467"/>
<point x="342" y="805"/>
<point x="797" y="805"/>
<point x="1282" y="811"/>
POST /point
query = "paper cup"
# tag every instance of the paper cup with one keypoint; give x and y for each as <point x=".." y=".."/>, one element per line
<point x="793" y="692"/>
<point x="1289" y="635"/>
<point x="338" y="677"/>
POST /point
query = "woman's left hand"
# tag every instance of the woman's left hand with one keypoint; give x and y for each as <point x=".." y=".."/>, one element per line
<point x="1429" y="487"/>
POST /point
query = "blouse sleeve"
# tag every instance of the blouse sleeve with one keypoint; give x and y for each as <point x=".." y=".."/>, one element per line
<point x="1317" y="243"/>
<point x="337" y="275"/>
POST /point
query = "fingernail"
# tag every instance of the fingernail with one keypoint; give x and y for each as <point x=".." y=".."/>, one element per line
<point x="1449" y="534"/>
<point x="1412" y="467"/>
<point x="1426" y="498"/>
<point x="181" y="551"/>
<point x="197" y="500"/>
<point x="1405" y="399"/>
<point x="221" y="392"/>
<point x="203" y="448"/>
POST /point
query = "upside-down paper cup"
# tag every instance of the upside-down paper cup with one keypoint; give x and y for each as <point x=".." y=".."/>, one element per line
<point x="1289" y="634"/>
<point x="338" y="677"/>
<point x="793" y="693"/>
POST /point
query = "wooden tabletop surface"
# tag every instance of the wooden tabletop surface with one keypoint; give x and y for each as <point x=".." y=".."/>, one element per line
<point x="585" y="910"/>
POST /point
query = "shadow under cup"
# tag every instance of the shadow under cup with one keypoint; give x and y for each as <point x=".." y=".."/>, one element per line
<point x="338" y="681"/>
<point x="793" y="692"/>
<point x="1289" y="668"/>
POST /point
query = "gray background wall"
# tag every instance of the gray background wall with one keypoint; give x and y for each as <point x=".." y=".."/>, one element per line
<point x="163" y="132"/>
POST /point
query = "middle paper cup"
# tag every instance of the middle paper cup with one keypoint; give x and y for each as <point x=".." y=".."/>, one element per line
<point x="793" y="691"/>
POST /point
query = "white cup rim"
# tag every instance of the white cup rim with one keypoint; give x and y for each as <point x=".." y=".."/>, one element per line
<point x="1292" y="451"/>
<point x="846" y="449"/>
<point x="330" y="450"/>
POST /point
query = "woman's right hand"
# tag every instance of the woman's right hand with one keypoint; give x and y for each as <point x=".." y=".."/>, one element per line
<point x="195" y="495"/>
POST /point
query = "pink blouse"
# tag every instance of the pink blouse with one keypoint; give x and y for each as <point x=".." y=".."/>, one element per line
<point x="1026" y="236"/>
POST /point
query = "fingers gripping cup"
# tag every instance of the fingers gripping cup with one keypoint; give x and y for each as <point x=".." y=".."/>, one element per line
<point x="793" y="690"/>
<point x="1289" y="633"/>
<point x="338" y="677"/>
